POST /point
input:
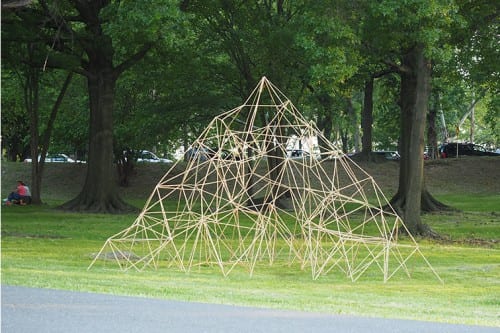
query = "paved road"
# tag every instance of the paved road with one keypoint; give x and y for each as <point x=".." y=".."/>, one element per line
<point x="46" y="310"/>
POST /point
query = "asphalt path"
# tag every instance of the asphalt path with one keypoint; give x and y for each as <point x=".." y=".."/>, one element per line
<point x="46" y="310"/>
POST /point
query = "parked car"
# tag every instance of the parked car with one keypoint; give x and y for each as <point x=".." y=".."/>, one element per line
<point x="54" y="158"/>
<point x="197" y="153"/>
<point x="464" y="149"/>
<point x="389" y="155"/>
<point x="298" y="154"/>
<point x="149" y="157"/>
<point x="203" y="154"/>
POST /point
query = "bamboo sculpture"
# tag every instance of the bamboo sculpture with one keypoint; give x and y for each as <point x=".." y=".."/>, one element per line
<point x="262" y="184"/>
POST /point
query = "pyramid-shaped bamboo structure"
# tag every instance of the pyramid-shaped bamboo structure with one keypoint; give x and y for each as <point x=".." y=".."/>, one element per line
<point x="262" y="184"/>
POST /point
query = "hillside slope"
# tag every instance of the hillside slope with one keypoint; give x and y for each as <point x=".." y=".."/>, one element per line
<point x="472" y="175"/>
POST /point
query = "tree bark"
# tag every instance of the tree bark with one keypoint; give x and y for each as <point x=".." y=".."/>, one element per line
<point x="367" y="114"/>
<point x="32" y="105"/>
<point x="351" y="112"/>
<point x="41" y="148"/>
<point x="367" y="119"/>
<point x="431" y="129"/>
<point x="324" y="121"/>
<point x="99" y="193"/>
<point x="412" y="196"/>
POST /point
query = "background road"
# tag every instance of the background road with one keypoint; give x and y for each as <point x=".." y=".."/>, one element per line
<point x="45" y="310"/>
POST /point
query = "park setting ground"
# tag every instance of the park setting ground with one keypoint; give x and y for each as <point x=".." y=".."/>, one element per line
<point x="48" y="248"/>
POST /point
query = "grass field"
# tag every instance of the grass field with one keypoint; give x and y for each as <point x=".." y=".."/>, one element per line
<point x="44" y="247"/>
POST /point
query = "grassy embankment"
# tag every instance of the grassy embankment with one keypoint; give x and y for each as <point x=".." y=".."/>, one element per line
<point x="42" y="247"/>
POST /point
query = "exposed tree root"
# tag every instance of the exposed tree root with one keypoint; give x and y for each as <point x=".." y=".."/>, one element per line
<point x="428" y="204"/>
<point x="431" y="204"/>
<point x="86" y="204"/>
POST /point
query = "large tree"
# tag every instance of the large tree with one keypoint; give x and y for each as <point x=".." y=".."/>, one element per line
<point x="405" y="36"/>
<point x="427" y="28"/>
<point x="99" y="192"/>
<point x="99" y="40"/>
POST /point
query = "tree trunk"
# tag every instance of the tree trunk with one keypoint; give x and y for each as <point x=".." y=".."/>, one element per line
<point x="412" y="195"/>
<point x="99" y="193"/>
<point x="325" y="125"/>
<point x="367" y="119"/>
<point x="344" y="138"/>
<point x="431" y="129"/>
<point x="351" y="112"/>
<point x="32" y="104"/>
<point x="472" y="122"/>
<point x="41" y="148"/>
<point x="324" y="121"/>
<point x="125" y="167"/>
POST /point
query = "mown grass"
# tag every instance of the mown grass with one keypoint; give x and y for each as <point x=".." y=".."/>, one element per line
<point x="43" y="247"/>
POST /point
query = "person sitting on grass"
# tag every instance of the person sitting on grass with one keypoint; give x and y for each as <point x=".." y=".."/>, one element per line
<point x="21" y="195"/>
<point x="26" y="200"/>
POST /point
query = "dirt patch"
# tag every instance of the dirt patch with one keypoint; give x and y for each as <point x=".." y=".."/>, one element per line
<point x="463" y="175"/>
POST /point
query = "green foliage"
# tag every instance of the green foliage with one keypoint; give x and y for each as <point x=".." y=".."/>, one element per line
<point x="410" y="22"/>
<point x="15" y="121"/>
<point x="155" y="112"/>
<point x="386" y="113"/>
<point x="208" y="54"/>
<point x="70" y="134"/>
<point x="477" y="39"/>
<point x="492" y="117"/>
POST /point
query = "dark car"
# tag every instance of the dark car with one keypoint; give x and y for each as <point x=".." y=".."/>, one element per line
<point x="453" y="149"/>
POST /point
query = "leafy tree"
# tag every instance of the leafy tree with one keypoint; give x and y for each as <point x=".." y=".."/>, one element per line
<point x="21" y="52"/>
<point x="259" y="38"/>
<point x="15" y="121"/>
<point x="332" y="59"/>
<point x="155" y="111"/>
<point x="70" y="133"/>
<point x="159" y="114"/>
<point x="386" y="112"/>
<point x="99" y="40"/>
<point x="475" y="60"/>
<point x="405" y="36"/>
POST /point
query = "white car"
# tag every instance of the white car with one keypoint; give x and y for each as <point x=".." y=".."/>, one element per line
<point x="54" y="158"/>
<point x="149" y="157"/>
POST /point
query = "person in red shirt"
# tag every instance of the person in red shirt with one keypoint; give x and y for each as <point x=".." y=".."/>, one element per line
<point x="19" y="195"/>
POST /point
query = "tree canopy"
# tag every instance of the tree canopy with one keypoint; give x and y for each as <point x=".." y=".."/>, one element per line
<point x="152" y="74"/>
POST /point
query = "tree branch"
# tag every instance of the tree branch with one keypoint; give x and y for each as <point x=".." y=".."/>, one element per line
<point x="396" y="68"/>
<point x="15" y="3"/>
<point x="133" y="59"/>
<point x="384" y="72"/>
<point x="50" y="124"/>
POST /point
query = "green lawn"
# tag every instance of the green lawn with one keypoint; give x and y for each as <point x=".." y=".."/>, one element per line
<point x="43" y="247"/>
